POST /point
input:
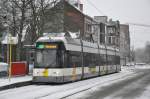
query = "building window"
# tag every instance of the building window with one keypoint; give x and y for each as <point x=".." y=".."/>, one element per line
<point x="111" y="30"/>
<point x="102" y="38"/>
<point x="88" y="28"/>
<point x="113" y="40"/>
<point x="109" y="40"/>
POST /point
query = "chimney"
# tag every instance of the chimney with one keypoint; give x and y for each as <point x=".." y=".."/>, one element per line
<point x="81" y="7"/>
<point x="100" y="19"/>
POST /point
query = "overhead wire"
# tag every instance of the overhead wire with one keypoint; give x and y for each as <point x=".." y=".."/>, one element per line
<point x="101" y="12"/>
<point x="138" y="24"/>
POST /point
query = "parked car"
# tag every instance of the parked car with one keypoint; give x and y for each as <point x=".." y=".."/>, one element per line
<point x="3" y="69"/>
<point x="140" y="63"/>
<point x="130" y="64"/>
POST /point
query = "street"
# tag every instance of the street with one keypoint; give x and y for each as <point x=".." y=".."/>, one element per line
<point x="74" y="49"/>
<point x="130" y="83"/>
<point x="131" y="88"/>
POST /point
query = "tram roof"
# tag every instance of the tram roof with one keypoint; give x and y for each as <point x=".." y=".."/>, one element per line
<point x="72" y="41"/>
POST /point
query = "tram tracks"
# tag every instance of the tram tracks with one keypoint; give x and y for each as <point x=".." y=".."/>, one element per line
<point x="61" y="91"/>
<point x="62" y="94"/>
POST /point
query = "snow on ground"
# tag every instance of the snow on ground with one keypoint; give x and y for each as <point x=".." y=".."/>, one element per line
<point x="6" y="81"/>
<point x="60" y="91"/>
<point x="142" y="66"/>
<point x="127" y="72"/>
<point x="125" y="69"/>
<point x="146" y="94"/>
<point x="95" y="83"/>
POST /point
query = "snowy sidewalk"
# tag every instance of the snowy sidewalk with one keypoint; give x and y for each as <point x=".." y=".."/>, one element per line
<point x="6" y="82"/>
<point x="65" y="90"/>
<point x="15" y="81"/>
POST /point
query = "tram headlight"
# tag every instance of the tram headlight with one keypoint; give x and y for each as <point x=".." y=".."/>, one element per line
<point x="56" y="73"/>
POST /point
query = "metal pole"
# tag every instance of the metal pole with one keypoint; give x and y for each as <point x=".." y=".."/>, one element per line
<point x="99" y="47"/>
<point x="7" y="49"/>
<point x="105" y="44"/>
<point x="2" y="53"/>
<point x="82" y="58"/>
<point x="10" y="58"/>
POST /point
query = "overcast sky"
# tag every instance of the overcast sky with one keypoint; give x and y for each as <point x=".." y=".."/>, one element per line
<point x="127" y="11"/>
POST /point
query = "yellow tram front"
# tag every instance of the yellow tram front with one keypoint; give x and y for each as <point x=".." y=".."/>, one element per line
<point x="48" y="62"/>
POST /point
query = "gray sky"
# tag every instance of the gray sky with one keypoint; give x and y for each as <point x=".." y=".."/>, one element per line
<point x="127" y="11"/>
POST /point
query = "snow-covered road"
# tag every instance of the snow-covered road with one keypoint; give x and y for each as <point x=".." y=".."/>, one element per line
<point x="65" y="90"/>
<point x="136" y="87"/>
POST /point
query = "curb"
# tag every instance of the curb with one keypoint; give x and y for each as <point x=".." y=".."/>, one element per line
<point x="15" y="85"/>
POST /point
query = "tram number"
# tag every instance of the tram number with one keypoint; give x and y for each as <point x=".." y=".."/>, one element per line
<point x="74" y="74"/>
<point x="45" y="73"/>
<point x="92" y="69"/>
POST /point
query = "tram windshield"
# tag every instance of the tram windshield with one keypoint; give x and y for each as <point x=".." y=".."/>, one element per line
<point x="46" y="58"/>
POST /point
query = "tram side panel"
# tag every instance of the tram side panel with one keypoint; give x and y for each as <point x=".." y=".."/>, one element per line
<point x="71" y="69"/>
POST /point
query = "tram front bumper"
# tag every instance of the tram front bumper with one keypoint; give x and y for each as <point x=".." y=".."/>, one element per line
<point x="42" y="79"/>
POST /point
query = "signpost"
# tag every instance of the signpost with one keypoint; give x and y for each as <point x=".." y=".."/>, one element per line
<point x="10" y="55"/>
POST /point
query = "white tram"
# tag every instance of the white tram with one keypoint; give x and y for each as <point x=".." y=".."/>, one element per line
<point x="64" y="59"/>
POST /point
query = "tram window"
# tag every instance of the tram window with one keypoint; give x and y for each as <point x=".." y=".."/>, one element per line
<point x="39" y="57"/>
<point x="112" y="57"/>
<point x="91" y="59"/>
<point x="117" y="60"/>
<point x="73" y="58"/>
<point x="108" y="60"/>
<point x="111" y="60"/>
<point x="99" y="61"/>
<point x="46" y="58"/>
<point x="59" y="58"/>
<point x="95" y="59"/>
<point x="67" y="59"/>
<point x="64" y="57"/>
<point x="87" y="59"/>
<point x="76" y="59"/>
<point x="50" y="58"/>
<point x="103" y="59"/>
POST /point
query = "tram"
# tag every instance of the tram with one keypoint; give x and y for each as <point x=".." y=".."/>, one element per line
<point x="60" y="59"/>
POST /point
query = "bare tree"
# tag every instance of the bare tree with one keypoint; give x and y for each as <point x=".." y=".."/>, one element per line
<point x="22" y="6"/>
<point x="26" y="15"/>
<point x="37" y="9"/>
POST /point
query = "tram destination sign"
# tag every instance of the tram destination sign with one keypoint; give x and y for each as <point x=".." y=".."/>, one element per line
<point x="47" y="46"/>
